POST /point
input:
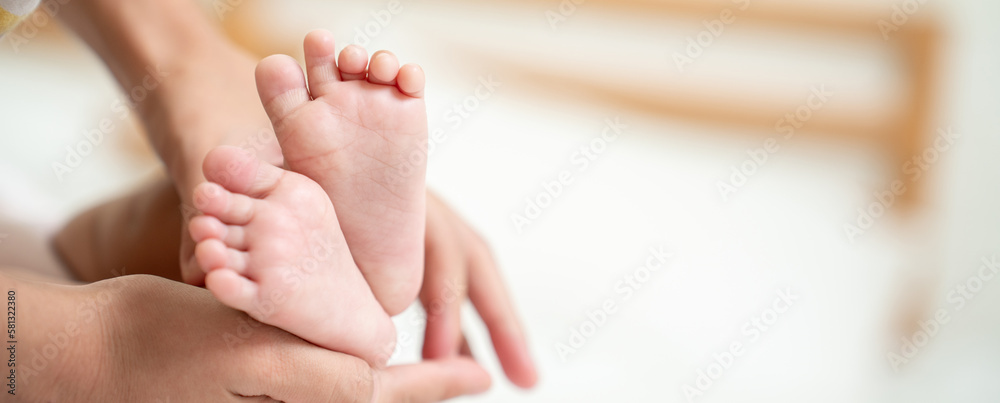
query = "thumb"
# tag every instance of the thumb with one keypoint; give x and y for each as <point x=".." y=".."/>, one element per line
<point x="431" y="381"/>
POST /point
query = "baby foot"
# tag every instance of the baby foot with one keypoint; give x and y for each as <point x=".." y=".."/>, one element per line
<point x="360" y="131"/>
<point x="272" y="247"/>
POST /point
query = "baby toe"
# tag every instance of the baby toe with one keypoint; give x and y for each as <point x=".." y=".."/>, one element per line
<point x="411" y="81"/>
<point x="383" y="68"/>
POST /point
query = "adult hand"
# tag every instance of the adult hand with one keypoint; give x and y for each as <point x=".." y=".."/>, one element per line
<point x="193" y="89"/>
<point x="170" y="342"/>
<point x="207" y="98"/>
<point x="459" y="264"/>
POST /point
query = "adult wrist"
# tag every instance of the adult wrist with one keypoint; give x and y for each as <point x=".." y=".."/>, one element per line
<point x="157" y="50"/>
<point x="142" y="38"/>
<point x="59" y="350"/>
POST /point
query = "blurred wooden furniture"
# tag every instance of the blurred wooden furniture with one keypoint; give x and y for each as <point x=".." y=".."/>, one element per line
<point x="528" y="59"/>
<point x="903" y="135"/>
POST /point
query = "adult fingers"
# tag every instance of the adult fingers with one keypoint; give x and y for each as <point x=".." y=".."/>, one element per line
<point x="445" y="288"/>
<point x="431" y="381"/>
<point x="488" y="294"/>
<point x="296" y="371"/>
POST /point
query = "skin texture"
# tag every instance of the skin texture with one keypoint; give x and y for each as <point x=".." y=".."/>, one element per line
<point x="272" y="247"/>
<point x="353" y="131"/>
<point x="459" y="266"/>
<point x="207" y="98"/>
<point x="147" y="335"/>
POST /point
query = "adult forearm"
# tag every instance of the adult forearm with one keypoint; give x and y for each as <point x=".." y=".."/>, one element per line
<point x="135" y="36"/>
<point x="162" y="53"/>
<point x="52" y="338"/>
<point x="193" y="88"/>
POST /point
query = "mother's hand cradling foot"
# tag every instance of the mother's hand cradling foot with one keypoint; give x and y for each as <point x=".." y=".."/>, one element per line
<point x="459" y="263"/>
<point x="178" y="342"/>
